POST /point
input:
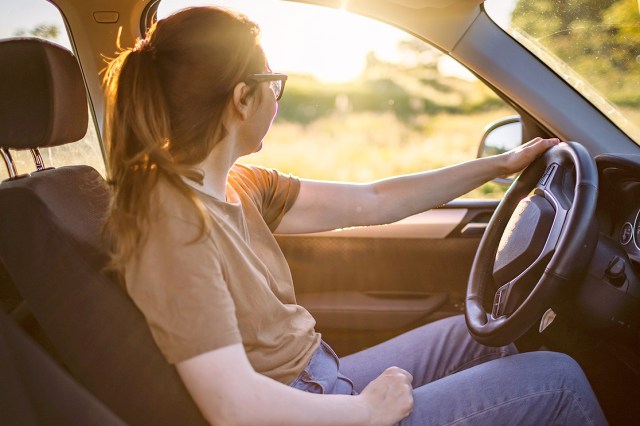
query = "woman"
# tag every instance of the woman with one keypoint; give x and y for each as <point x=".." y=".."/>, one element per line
<point x="194" y="238"/>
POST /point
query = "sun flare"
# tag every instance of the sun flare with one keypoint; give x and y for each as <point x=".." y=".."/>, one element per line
<point x="337" y="53"/>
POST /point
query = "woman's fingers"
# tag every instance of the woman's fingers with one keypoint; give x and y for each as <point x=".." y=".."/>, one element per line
<point x="389" y="398"/>
<point x="519" y="158"/>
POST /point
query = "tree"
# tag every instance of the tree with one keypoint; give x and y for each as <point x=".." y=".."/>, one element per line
<point x="599" y="39"/>
<point x="46" y="31"/>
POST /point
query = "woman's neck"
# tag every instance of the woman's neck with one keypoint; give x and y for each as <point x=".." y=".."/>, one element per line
<point x="215" y="169"/>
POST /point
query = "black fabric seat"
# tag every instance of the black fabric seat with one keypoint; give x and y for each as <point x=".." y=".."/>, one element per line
<point x="30" y="380"/>
<point x="52" y="247"/>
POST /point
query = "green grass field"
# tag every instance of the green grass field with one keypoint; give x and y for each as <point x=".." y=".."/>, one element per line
<point x="356" y="147"/>
<point x="361" y="147"/>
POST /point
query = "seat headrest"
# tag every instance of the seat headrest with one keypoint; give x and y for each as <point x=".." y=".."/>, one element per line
<point x="42" y="95"/>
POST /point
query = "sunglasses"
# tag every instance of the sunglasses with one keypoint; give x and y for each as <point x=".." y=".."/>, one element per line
<point x="276" y="82"/>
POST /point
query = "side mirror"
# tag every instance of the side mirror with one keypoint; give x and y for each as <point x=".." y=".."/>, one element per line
<point x="501" y="136"/>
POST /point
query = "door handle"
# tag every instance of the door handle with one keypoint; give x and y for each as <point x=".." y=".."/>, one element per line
<point x="473" y="228"/>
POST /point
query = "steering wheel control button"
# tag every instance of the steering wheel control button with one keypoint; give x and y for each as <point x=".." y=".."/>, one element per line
<point x="615" y="272"/>
<point x="547" y="174"/>
<point x="626" y="233"/>
<point x="499" y="301"/>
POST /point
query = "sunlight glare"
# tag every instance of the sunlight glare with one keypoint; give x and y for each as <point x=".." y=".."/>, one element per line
<point x="336" y="54"/>
<point x="449" y="67"/>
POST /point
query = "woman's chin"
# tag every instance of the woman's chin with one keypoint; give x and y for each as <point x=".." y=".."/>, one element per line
<point x="258" y="148"/>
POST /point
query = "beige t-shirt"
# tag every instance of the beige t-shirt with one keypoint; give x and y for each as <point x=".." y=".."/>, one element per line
<point x="233" y="286"/>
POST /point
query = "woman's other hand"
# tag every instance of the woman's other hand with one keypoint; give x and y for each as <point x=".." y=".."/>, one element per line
<point x="389" y="398"/>
<point x="520" y="157"/>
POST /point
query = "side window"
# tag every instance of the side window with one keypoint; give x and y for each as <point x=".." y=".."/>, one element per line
<point x="39" y="18"/>
<point x="364" y="100"/>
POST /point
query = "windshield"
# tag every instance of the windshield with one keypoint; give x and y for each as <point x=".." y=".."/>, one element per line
<point x="593" y="44"/>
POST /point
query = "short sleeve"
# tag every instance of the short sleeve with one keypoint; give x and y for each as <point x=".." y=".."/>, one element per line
<point x="178" y="283"/>
<point x="274" y="193"/>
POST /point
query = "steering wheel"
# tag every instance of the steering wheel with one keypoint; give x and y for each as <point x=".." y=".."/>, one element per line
<point x="534" y="244"/>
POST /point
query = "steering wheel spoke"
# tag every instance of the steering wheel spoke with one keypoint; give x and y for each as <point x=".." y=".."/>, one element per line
<point x="512" y="294"/>
<point x="553" y="187"/>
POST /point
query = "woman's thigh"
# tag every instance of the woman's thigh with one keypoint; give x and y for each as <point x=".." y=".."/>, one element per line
<point x="537" y="388"/>
<point x="429" y="353"/>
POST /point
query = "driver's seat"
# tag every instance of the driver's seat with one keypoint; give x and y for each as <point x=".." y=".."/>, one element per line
<point x="52" y="247"/>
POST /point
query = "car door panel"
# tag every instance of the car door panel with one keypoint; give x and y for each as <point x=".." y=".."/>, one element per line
<point x="364" y="285"/>
<point x="371" y="310"/>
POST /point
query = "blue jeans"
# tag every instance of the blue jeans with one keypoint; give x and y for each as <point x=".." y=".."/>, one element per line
<point x="321" y="374"/>
<point x="502" y="388"/>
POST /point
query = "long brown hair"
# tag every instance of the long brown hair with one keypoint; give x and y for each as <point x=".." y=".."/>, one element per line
<point x="164" y="102"/>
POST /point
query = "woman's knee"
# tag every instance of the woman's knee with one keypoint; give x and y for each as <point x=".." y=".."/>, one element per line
<point x="573" y="380"/>
<point x="559" y="371"/>
<point x="559" y="364"/>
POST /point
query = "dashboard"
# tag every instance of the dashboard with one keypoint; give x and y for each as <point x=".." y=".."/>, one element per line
<point x="603" y="330"/>
<point x="618" y="210"/>
<point x="628" y="229"/>
<point x="608" y="296"/>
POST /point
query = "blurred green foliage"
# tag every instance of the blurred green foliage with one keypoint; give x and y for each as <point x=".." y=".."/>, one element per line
<point x="599" y="39"/>
<point x="45" y="31"/>
<point x="408" y="91"/>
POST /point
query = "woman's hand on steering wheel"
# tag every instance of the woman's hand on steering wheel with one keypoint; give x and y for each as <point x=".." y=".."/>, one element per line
<point x="520" y="157"/>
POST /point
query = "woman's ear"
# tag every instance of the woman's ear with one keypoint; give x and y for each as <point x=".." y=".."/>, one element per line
<point x="242" y="99"/>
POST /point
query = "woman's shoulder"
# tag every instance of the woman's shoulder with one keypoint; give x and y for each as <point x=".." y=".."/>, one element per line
<point x="248" y="180"/>
<point x="254" y="179"/>
<point x="246" y="173"/>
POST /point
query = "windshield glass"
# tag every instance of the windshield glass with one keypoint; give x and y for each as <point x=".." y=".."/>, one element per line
<point x="593" y="44"/>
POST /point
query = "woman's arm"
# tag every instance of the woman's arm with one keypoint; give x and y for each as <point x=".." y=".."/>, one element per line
<point x="229" y="392"/>
<point x="322" y="206"/>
